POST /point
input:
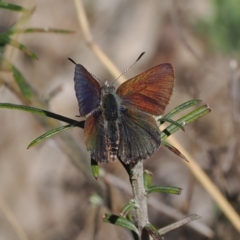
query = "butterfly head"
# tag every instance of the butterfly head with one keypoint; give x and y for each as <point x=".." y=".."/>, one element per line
<point x="107" y="89"/>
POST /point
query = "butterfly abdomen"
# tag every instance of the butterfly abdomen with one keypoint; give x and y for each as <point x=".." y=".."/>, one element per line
<point x="112" y="139"/>
<point x="110" y="108"/>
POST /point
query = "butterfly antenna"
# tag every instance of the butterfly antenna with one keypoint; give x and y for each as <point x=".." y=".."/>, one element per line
<point x="97" y="78"/>
<point x="72" y="61"/>
<point x="140" y="56"/>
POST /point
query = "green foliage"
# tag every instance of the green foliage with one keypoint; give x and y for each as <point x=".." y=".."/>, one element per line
<point x="223" y="28"/>
<point x="95" y="169"/>
<point x="164" y="189"/>
<point x="6" y="38"/>
<point x="120" y="221"/>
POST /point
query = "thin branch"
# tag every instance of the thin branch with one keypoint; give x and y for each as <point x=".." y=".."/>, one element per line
<point x="160" y="206"/>
<point x="139" y="195"/>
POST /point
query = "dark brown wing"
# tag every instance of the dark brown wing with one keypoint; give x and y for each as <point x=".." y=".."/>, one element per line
<point x="95" y="142"/>
<point x="139" y="136"/>
<point x="87" y="90"/>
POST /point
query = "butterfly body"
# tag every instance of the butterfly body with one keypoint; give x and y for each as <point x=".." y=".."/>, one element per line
<point x="120" y="124"/>
<point x="110" y="106"/>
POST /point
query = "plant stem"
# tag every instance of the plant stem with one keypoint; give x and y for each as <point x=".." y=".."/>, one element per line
<point x="139" y="195"/>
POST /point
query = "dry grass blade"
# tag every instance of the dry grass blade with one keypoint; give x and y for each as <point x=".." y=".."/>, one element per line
<point x="178" y="224"/>
<point x="83" y="22"/>
<point x="12" y="220"/>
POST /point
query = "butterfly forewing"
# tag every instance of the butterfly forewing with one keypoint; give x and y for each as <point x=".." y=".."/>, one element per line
<point x="87" y="90"/>
<point x="149" y="91"/>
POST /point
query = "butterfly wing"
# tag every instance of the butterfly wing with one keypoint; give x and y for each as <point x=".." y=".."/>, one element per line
<point x="149" y="91"/>
<point x="87" y="90"/>
<point x="139" y="135"/>
<point x="95" y="142"/>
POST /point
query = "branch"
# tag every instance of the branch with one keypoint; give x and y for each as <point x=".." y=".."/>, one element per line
<point x="139" y="195"/>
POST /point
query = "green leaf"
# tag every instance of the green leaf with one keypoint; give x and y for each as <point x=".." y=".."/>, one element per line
<point x="174" y="150"/>
<point x="120" y="221"/>
<point x="153" y="232"/>
<point x="5" y="39"/>
<point x="22" y="20"/>
<point x="162" y="120"/>
<point x="164" y="189"/>
<point x="24" y="87"/>
<point x="43" y="113"/>
<point x="125" y="211"/>
<point x="199" y="112"/>
<point x="147" y="179"/>
<point x="95" y="169"/>
<point x="42" y="30"/>
<point x="181" y="107"/>
<point x="49" y="134"/>
<point x="12" y="7"/>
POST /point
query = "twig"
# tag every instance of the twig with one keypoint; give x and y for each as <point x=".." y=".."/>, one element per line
<point x="161" y="207"/>
<point x="139" y="195"/>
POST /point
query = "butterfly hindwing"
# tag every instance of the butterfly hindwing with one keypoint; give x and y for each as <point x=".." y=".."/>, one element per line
<point x="87" y="90"/>
<point x="149" y="91"/>
<point x="95" y="142"/>
<point x="139" y="135"/>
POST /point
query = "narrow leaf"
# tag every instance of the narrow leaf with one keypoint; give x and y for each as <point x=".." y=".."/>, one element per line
<point x="12" y="7"/>
<point x="5" y="39"/>
<point x="174" y="150"/>
<point x="23" y="19"/>
<point x="43" y="30"/>
<point x="164" y="189"/>
<point x="24" y="87"/>
<point x="43" y="113"/>
<point x="153" y="232"/>
<point x="147" y="179"/>
<point x="164" y="119"/>
<point x="178" y="224"/>
<point x="49" y="134"/>
<point x="95" y="169"/>
<point x="182" y="107"/>
<point x="199" y="112"/>
<point x="125" y="211"/>
<point x="120" y="221"/>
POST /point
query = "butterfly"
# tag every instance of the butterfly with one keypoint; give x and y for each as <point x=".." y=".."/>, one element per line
<point x="120" y="123"/>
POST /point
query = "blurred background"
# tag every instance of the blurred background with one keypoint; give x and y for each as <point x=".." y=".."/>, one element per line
<point x="51" y="198"/>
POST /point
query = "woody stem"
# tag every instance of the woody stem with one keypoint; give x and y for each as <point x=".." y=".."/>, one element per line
<point x="139" y="195"/>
